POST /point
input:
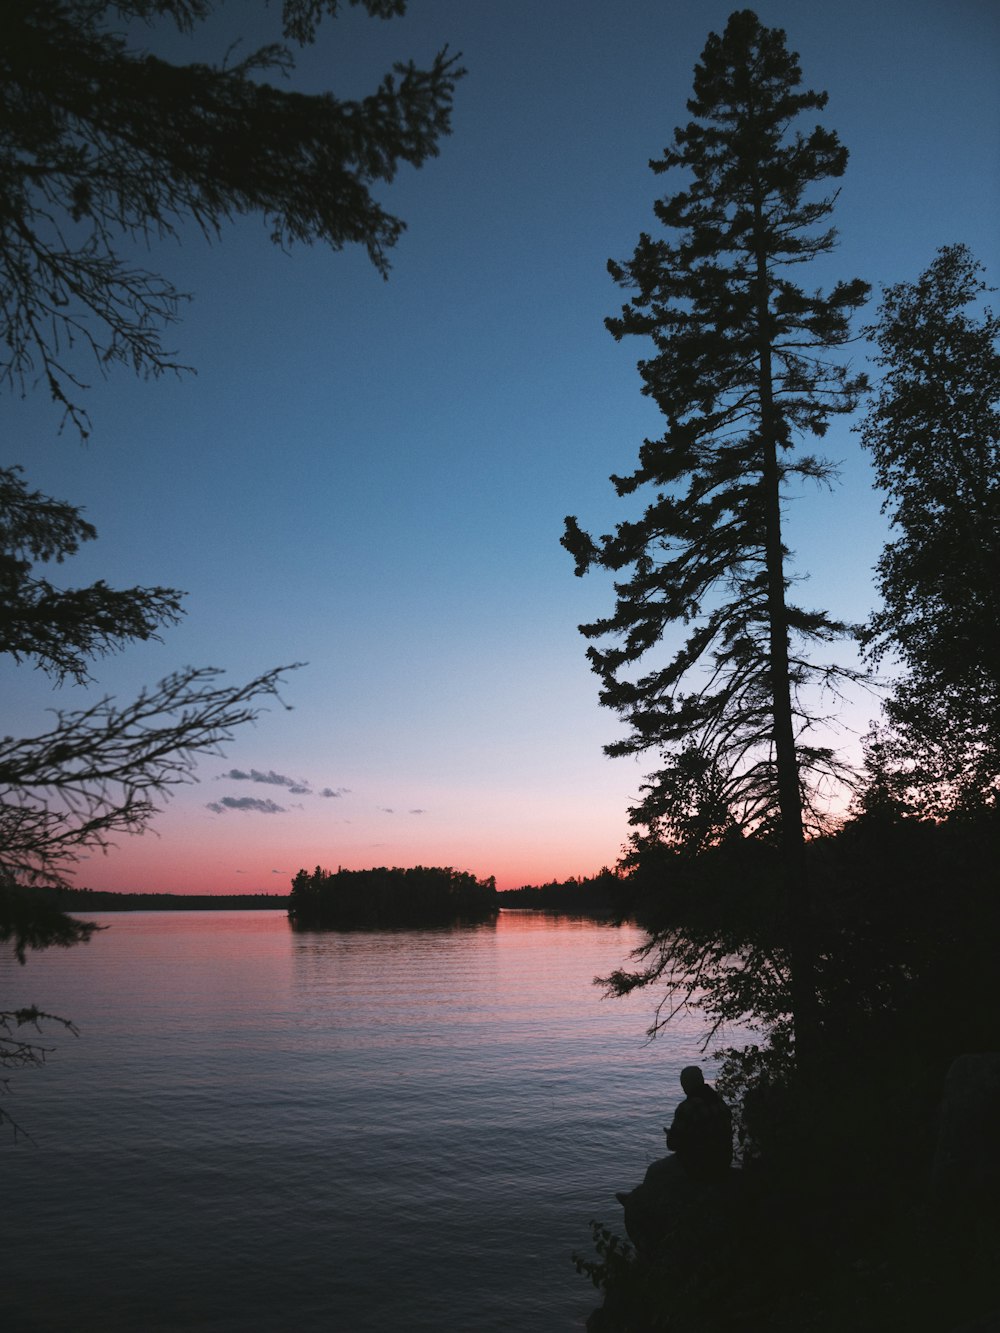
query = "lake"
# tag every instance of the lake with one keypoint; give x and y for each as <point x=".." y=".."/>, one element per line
<point x="266" y="1129"/>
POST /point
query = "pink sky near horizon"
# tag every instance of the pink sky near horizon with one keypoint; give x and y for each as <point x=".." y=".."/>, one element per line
<point x="524" y="839"/>
<point x="180" y="861"/>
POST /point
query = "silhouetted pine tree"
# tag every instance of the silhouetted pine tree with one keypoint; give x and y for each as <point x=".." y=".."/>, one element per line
<point x="741" y="370"/>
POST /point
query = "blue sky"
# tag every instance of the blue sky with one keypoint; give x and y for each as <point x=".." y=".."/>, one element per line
<point x="372" y="477"/>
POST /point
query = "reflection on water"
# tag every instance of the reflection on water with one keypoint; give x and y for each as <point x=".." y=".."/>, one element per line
<point x="263" y="1129"/>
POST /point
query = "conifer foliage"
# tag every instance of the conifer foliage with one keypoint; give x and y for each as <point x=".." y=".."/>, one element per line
<point x="103" y="145"/>
<point x="744" y="364"/>
<point x="934" y="434"/>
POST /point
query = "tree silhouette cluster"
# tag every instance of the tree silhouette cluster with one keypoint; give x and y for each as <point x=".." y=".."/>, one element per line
<point x="933" y="430"/>
<point x="378" y="898"/>
<point x="604" y="895"/>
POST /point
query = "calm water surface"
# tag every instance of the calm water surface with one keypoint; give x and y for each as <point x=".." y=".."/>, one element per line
<point x="264" y="1129"/>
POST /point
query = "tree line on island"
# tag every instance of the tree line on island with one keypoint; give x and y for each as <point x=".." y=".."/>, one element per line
<point x="419" y="896"/>
<point x="376" y="898"/>
<point x="427" y="896"/>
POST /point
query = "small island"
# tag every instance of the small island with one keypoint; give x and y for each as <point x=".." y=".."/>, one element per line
<point x="379" y="898"/>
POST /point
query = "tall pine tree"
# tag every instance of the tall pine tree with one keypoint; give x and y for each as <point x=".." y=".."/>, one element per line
<point x="741" y="369"/>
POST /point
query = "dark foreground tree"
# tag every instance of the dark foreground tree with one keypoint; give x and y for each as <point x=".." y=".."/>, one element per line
<point x="741" y="368"/>
<point x="934" y="435"/>
<point x="102" y="144"/>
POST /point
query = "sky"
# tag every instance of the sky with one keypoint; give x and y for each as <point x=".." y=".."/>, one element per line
<point x="371" y="477"/>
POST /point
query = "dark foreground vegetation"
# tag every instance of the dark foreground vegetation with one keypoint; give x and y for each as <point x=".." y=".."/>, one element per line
<point x="838" y="1223"/>
<point x="862" y="958"/>
<point x="419" y="896"/>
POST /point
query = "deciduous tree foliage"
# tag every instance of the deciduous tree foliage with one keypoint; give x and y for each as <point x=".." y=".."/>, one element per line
<point x="102" y="144"/>
<point x="743" y="367"/>
<point x="934" y="434"/>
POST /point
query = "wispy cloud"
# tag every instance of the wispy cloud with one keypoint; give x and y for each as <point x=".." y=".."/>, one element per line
<point x="267" y="807"/>
<point x="295" y="786"/>
<point x="270" y="777"/>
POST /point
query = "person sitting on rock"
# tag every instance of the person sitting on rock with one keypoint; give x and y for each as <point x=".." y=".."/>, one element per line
<point x="700" y="1140"/>
<point x="701" y="1133"/>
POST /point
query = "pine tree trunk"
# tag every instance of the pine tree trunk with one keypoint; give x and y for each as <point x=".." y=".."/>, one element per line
<point x="801" y="961"/>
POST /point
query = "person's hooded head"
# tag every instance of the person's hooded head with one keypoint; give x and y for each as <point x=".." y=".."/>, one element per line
<point x="692" y="1080"/>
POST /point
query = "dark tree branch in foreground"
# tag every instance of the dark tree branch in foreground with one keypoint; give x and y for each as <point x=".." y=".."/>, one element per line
<point x="102" y="144"/>
<point x="100" y="770"/>
<point x="103" y="148"/>
<point x="61" y="629"/>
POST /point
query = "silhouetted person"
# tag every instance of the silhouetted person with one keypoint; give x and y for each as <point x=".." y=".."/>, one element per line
<point x="701" y="1133"/>
<point x="700" y="1139"/>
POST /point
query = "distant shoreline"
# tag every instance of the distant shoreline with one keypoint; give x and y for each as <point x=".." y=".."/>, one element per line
<point x="105" y="900"/>
<point x="83" y="901"/>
